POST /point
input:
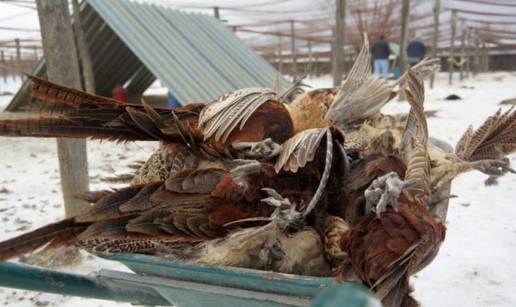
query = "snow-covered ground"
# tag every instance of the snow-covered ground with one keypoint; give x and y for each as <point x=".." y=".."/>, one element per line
<point x="474" y="266"/>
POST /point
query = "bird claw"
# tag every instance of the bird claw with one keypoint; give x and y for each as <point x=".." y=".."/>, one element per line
<point x="265" y="149"/>
<point x="285" y="213"/>
<point x="384" y="191"/>
<point x="493" y="167"/>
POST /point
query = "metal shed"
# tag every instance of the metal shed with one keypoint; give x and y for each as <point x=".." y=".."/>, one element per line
<point x="194" y="55"/>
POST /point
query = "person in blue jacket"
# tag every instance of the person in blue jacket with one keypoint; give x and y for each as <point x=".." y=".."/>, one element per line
<point x="416" y="51"/>
<point x="381" y="51"/>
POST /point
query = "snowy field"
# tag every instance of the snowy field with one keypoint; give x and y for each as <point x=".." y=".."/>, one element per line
<point x="475" y="266"/>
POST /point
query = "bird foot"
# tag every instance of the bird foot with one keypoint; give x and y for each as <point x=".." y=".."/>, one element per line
<point x="285" y="213"/>
<point x="265" y="149"/>
<point x="384" y="191"/>
<point x="493" y="167"/>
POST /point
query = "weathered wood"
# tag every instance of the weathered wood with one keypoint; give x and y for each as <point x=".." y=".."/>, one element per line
<point x="405" y="11"/>
<point x="338" y="41"/>
<point x="476" y="66"/>
<point x="63" y="67"/>
<point x="280" y="56"/>
<point x="11" y="68"/>
<point x="216" y="12"/>
<point x="462" y="53"/>
<point x="485" y="57"/>
<point x="451" y="58"/>
<point x="468" y="52"/>
<point x="437" y="13"/>
<point x="293" y="49"/>
<point x="18" y="57"/>
<point x="3" y="65"/>
<point x="310" y="59"/>
<point x="83" y="51"/>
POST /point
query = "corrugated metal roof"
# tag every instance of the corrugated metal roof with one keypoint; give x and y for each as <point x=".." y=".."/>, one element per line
<point x="194" y="55"/>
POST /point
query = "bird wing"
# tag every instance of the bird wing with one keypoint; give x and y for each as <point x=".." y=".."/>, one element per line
<point x="494" y="139"/>
<point x="299" y="150"/>
<point x="413" y="147"/>
<point x="362" y="94"/>
<point x="220" y="117"/>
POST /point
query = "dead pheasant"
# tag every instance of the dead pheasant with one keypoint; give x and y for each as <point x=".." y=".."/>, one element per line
<point x="402" y="236"/>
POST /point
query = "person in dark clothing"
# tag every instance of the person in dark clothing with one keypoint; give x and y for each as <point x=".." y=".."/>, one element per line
<point x="416" y="51"/>
<point x="381" y="51"/>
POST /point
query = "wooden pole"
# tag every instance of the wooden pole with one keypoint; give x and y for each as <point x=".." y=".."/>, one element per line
<point x="462" y="53"/>
<point x="338" y="41"/>
<point x="63" y="67"/>
<point x="310" y="63"/>
<point x="437" y="12"/>
<point x="18" y="57"/>
<point x="12" y="69"/>
<point x="405" y="11"/>
<point x="293" y="49"/>
<point x="485" y="57"/>
<point x="4" y="65"/>
<point x="280" y="56"/>
<point x="468" y="52"/>
<point x="216" y="12"/>
<point x="451" y="59"/>
<point x="476" y="67"/>
<point x="83" y="51"/>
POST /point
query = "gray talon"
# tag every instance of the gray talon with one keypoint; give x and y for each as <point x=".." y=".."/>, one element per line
<point x="264" y="149"/>
<point x="384" y="191"/>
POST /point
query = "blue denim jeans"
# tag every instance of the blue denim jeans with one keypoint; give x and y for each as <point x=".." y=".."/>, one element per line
<point x="381" y="67"/>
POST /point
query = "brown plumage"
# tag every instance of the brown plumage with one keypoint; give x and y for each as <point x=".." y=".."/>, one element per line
<point x="387" y="248"/>
<point x="85" y="115"/>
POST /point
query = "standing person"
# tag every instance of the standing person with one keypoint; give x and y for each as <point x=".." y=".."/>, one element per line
<point x="381" y="51"/>
<point x="416" y="51"/>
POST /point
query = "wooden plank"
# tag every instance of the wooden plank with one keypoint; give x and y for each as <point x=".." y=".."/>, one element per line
<point x="437" y="12"/>
<point x="338" y="41"/>
<point x="63" y="67"/>
<point x="451" y="59"/>
<point x="83" y="52"/>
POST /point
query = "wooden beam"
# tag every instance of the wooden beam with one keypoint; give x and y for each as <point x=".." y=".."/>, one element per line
<point x="462" y="53"/>
<point x="293" y="49"/>
<point x="63" y="67"/>
<point x="405" y="12"/>
<point x="83" y="51"/>
<point x="468" y="52"/>
<point x="451" y="59"/>
<point x="437" y="11"/>
<point x="216" y="12"/>
<point x="3" y="65"/>
<point x="18" y="58"/>
<point x="338" y="41"/>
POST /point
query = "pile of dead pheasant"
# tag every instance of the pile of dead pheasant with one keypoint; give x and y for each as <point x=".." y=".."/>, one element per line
<point x="325" y="185"/>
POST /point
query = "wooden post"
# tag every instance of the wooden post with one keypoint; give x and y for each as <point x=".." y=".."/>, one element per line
<point x="485" y="57"/>
<point x="280" y="56"/>
<point x="216" y="12"/>
<point x="476" y="54"/>
<point x="462" y="53"/>
<point x="12" y="69"/>
<point x="63" y="67"/>
<point x="338" y="41"/>
<point x="293" y="49"/>
<point x="437" y="13"/>
<point x="4" y="65"/>
<point x="18" y="57"/>
<point x="83" y="51"/>
<point x="310" y="63"/>
<point x="405" y="11"/>
<point x="468" y="52"/>
<point x="451" y="58"/>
